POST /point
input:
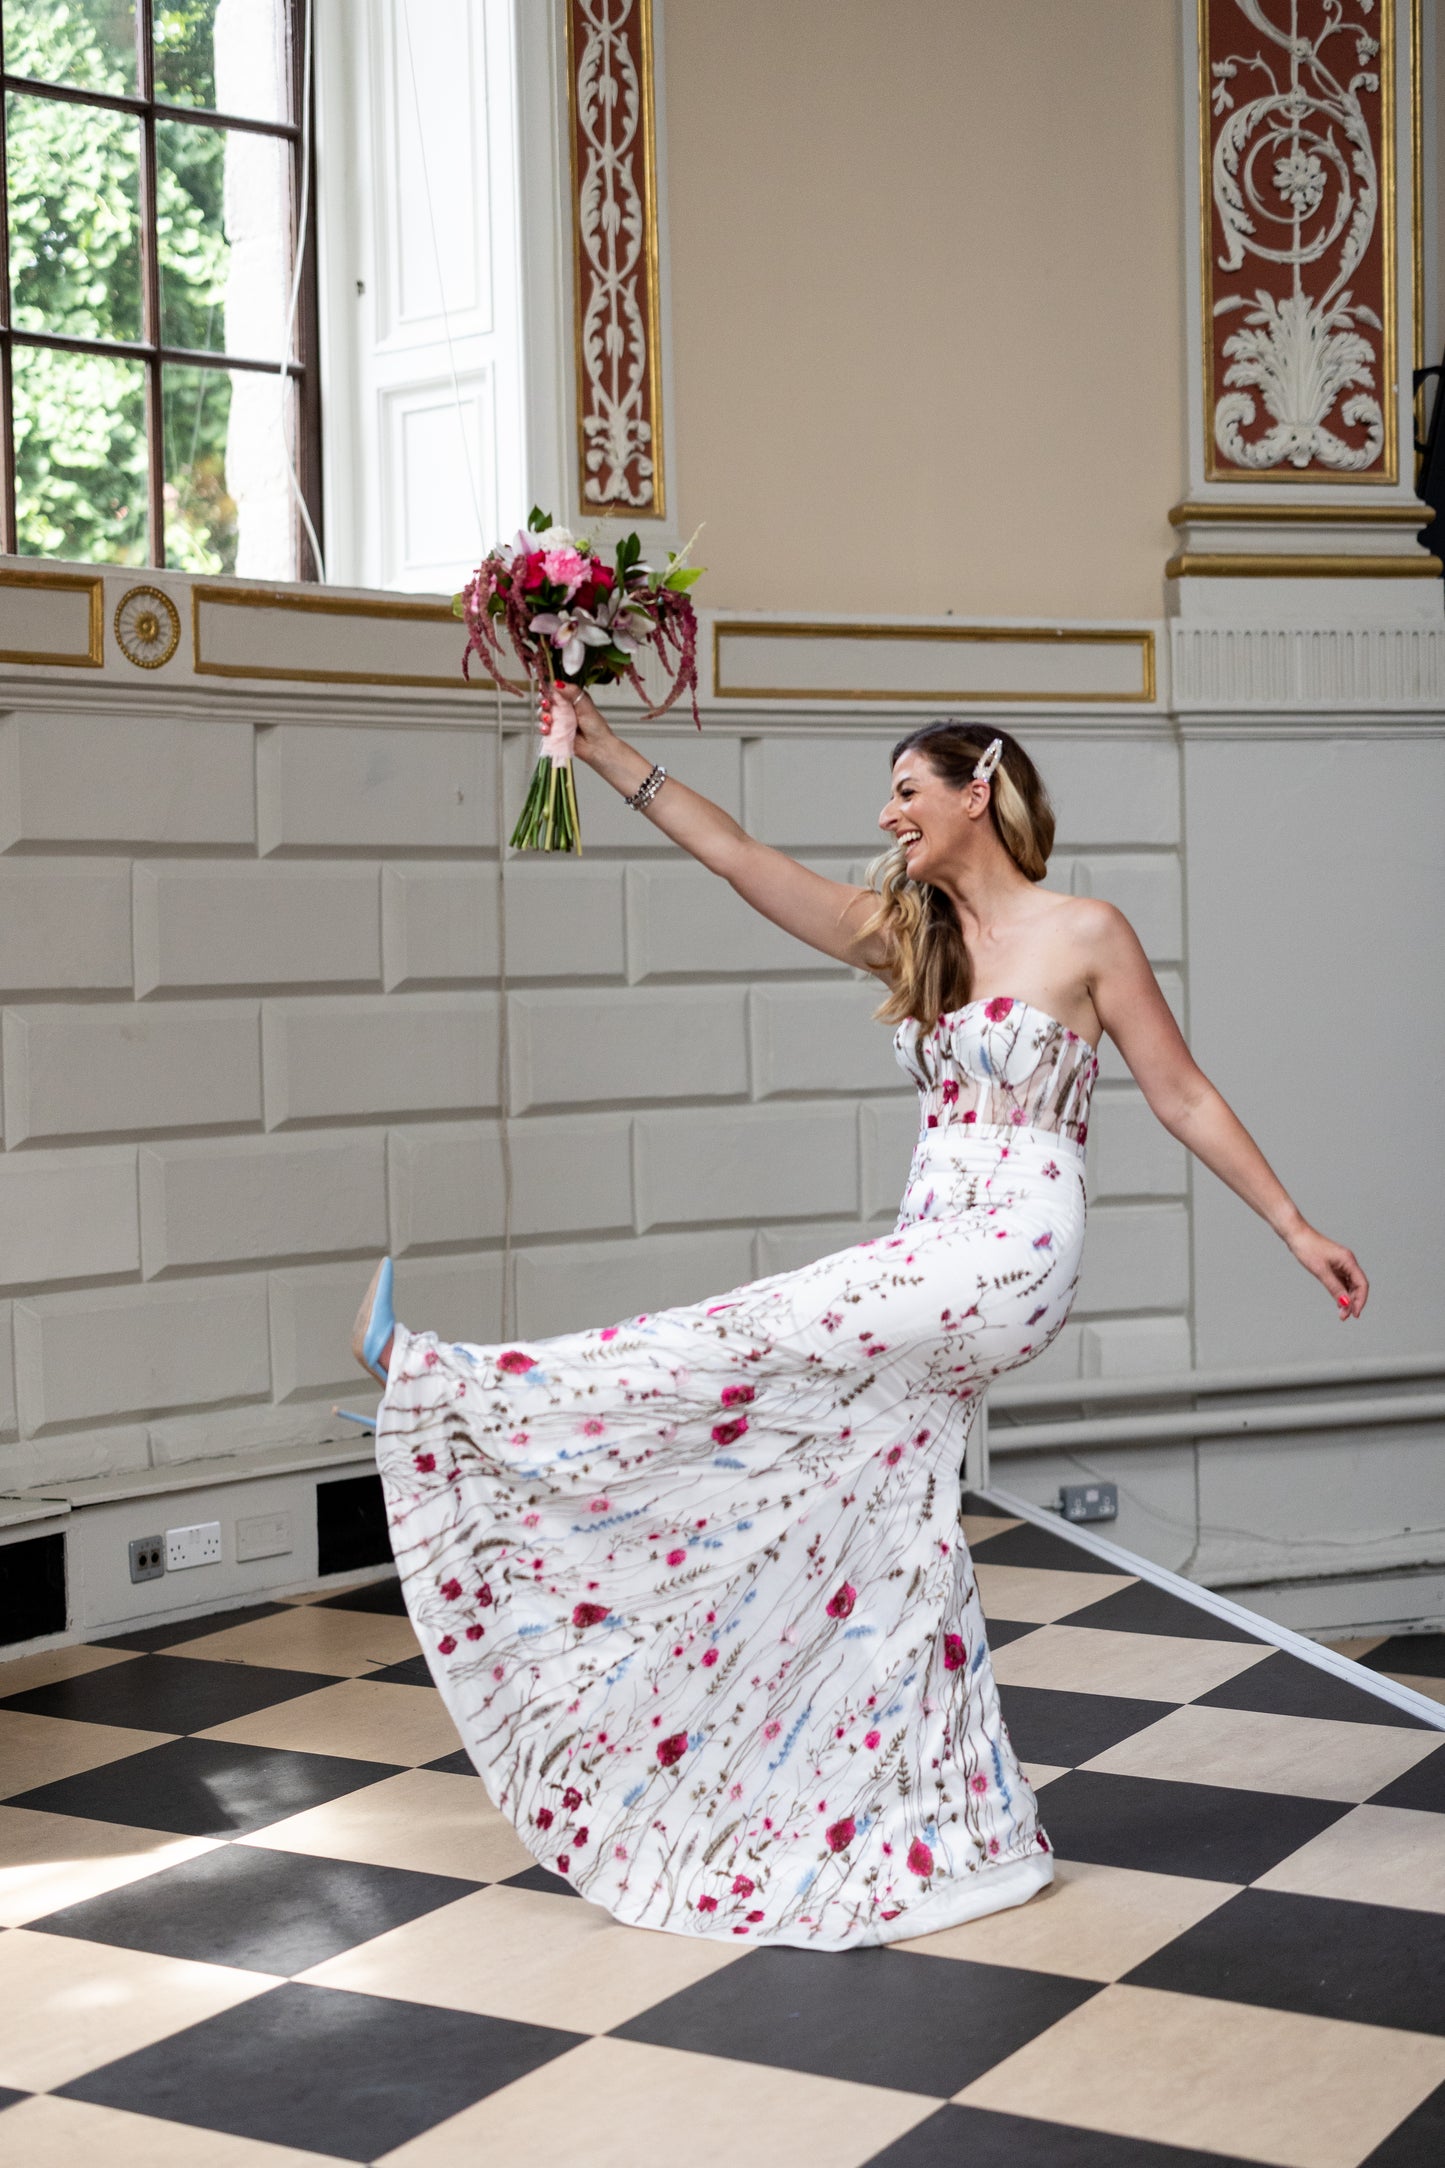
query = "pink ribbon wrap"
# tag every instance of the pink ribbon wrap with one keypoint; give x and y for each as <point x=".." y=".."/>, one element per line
<point x="560" y="735"/>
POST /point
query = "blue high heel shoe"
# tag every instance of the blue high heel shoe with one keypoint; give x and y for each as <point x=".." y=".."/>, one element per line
<point x="375" y="1322"/>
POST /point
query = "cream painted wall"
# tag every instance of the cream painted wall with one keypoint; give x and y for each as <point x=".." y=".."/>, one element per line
<point x="926" y="302"/>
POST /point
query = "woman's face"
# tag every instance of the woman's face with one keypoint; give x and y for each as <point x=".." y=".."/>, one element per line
<point x="929" y="817"/>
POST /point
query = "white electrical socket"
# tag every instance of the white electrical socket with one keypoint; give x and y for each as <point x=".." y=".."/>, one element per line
<point x="263" y="1535"/>
<point x="196" y="1546"/>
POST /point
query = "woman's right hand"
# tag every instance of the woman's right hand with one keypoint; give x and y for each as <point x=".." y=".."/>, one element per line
<point x="592" y="731"/>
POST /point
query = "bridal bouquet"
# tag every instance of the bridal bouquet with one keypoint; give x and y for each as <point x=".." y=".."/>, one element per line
<point x="569" y="616"/>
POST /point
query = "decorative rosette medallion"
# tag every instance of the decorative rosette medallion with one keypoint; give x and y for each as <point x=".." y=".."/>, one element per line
<point x="147" y="627"/>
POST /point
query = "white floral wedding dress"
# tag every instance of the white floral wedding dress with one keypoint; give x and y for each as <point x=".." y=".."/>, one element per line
<point x="694" y="1588"/>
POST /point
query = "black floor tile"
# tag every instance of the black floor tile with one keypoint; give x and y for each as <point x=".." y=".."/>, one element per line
<point x="1286" y="1685"/>
<point x="1319" y="1956"/>
<point x="1048" y="1725"/>
<point x="168" y="1693"/>
<point x="190" y="1629"/>
<point x="411" y="1671"/>
<point x="204" y="1787"/>
<point x="9" y="2096"/>
<point x="324" y="2071"/>
<point x="876" y="2016"/>
<point x="459" y="1764"/>
<point x="1422" y="1787"/>
<point x="1422" y="1654"/>
<point x="1145" y="1609"/>
<point x="374" y="1596"/>
<point x="1030" y="1546"/>
<point x="959" y="2137"/>
<point x="543" y="1879"/>
<point x="1001" y="1630"/>
<point x="1210" y="1830"/>
<point x="268" y="1911"/>
<point x="1418" y="2142"/>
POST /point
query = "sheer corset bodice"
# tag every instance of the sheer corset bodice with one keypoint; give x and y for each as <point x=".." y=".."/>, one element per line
<point x="1000" y="1064"/>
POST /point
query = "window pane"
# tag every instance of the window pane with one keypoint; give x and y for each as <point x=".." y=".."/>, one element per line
<point x="227" y="54"/>
<point x="89" y="43"/>
<point x="229" y="506"/>
<point x="224" y="225"/>
<point x="80" y="457"/>
<point x="74" y="227"/>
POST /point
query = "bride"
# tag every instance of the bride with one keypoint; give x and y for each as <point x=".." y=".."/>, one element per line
<point x="693" y="1586"/>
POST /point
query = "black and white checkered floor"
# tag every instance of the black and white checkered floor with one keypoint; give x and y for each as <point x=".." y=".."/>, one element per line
<point x="257" y="1912"/>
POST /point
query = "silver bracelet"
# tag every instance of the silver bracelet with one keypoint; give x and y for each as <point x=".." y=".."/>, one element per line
<point x="647" y="789"/>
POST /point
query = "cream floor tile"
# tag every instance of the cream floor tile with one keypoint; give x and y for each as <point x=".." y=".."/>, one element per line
<point x="1040" y="1773"/>
<point x="522" y="1954"/>
<point x="306" y="1638"/>
<point x="976" y="1526"/>
<point x="51" y="1860"/>
<point x="1422" y="1684"/>
<point x="71" y="2006"/>
<point x="1314" y="1757"/>
<point x="1039" y="1594"/>
<point x="363" y="1718"/>
<point x="1098" y="1660"/>
<point x="23" y="1673"/>
<point x="1093" y="1923"/>
<point x="50" y="2133"/>
<point x="424" y="1819"/>
<point x="1357" y="1648"/>
<point x="1375" y="1855"/>
<point x="1226" y="2077"/>
<point x="617" y="2103"/>
<point x="42" y="1749"/>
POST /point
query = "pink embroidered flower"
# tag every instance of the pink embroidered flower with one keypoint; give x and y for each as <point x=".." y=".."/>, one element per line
<point x="993" y="1844"/>
<point x="425" y="1462"/>
<point x="579" y="1838"/>
<point x="728" y="1433"/>
<point x="970" y="1116"/>
<point x="950" y="1091"/>
<point x="430" y="1359"/>
<point x="672" y="1749"/>
<point x="515" y="1361"/>
<point x="978" y="1782"/>
<point x="996" y="1011"/>
<point x="484" y="1594"/>
<point x="589" y="1614"/>
<point x="893" y="1455"/>
<point x="571" y="1799"/>
<point x="709" y="1658"/>
<point x="1043" y="1841"/>
<point x="920" y="1859"/>
<point x="564" y="1864"/>
<point x="1083" y="1136"/>
<point x="743" y="1885"/>
<point x="677" y="1558"/>
<point x="1051" y="1170"/>
<point x="771" y="1730"/>
<point x="544" y="1817"/>
<point x="600" y="1505"/>
<point x="736" y="1396"/>
<point x="871" y="1739"/>
<point x="451" y="1590"/>
<point x="841" y="1834"/>
<point x="593" y="1427"/>
<point x="955" y="1655"/>
<point x="707" y="1904"/>
<point x="842" y="1602"/>
<point x="446" y="1644"/>
<point x="474" y="1633"/>
<point x="608" y="1333"/>
<point x="1017" y="1116"/>
<point x="754" y="1917"/>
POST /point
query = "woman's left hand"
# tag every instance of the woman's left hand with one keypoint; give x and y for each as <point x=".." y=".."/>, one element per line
<point x="1334" y="1267"/>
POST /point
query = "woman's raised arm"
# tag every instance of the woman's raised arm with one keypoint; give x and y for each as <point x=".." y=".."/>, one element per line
<point x="826" y="914"/>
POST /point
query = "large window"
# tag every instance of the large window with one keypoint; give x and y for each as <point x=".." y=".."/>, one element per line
<point x="157" y="355"/>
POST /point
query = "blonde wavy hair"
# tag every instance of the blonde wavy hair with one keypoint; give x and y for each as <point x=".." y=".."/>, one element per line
<point x="928" y="968"/>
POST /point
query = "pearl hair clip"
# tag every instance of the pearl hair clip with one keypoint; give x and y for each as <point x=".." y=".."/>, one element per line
<point x="987" y="761"/>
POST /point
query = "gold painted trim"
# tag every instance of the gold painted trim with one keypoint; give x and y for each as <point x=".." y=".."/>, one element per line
<point x="652" y="274"/>
<point x="1272" y="565"/>
<point x="265" y="598"/>
<point x="169" y="610"/>
<point x="1025" y="635"/>
<point x="1389" y="469"/>
<point x="62" y="583"/>
<point x="1413" y="514"/>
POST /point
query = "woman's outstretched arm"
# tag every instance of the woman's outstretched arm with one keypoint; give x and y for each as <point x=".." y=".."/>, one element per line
<point x="826" y="914"/>
<point x="1138" y="1019"/>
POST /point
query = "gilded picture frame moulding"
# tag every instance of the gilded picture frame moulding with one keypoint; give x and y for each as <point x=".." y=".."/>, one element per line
<point x="61" y="583"/>
<point x="326" y="605"/>
<point x="1141" y="638"/>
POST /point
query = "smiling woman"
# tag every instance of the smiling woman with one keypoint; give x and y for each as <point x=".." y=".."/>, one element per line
<point x="693" y="1585"/>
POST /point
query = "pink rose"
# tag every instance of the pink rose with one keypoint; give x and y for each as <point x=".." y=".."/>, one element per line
<point x="735" y="1396"/>
<point x="841" y="1834"/>
<point x="728" y="1433"/>
<point x="955" y="1655"/>
<point x="589" y="1614"/>
<point x="920" y="1859"/>
<point x="871" y="1739"/>
<point x="841" y="1603"/>
<point x="996" y="1011"/>
<point x="672" y="1750"/>
<point x="516" y="1362"/>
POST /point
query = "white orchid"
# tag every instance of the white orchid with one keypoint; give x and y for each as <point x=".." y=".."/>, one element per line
<point x="571" y="632"/>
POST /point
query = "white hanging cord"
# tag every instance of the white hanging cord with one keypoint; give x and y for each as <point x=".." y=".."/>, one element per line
<point x="308" y="37"/>
<point x="504" y="1051"/>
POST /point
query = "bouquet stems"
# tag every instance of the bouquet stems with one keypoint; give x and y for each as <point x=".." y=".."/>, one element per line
<point x="549" y="816"/>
